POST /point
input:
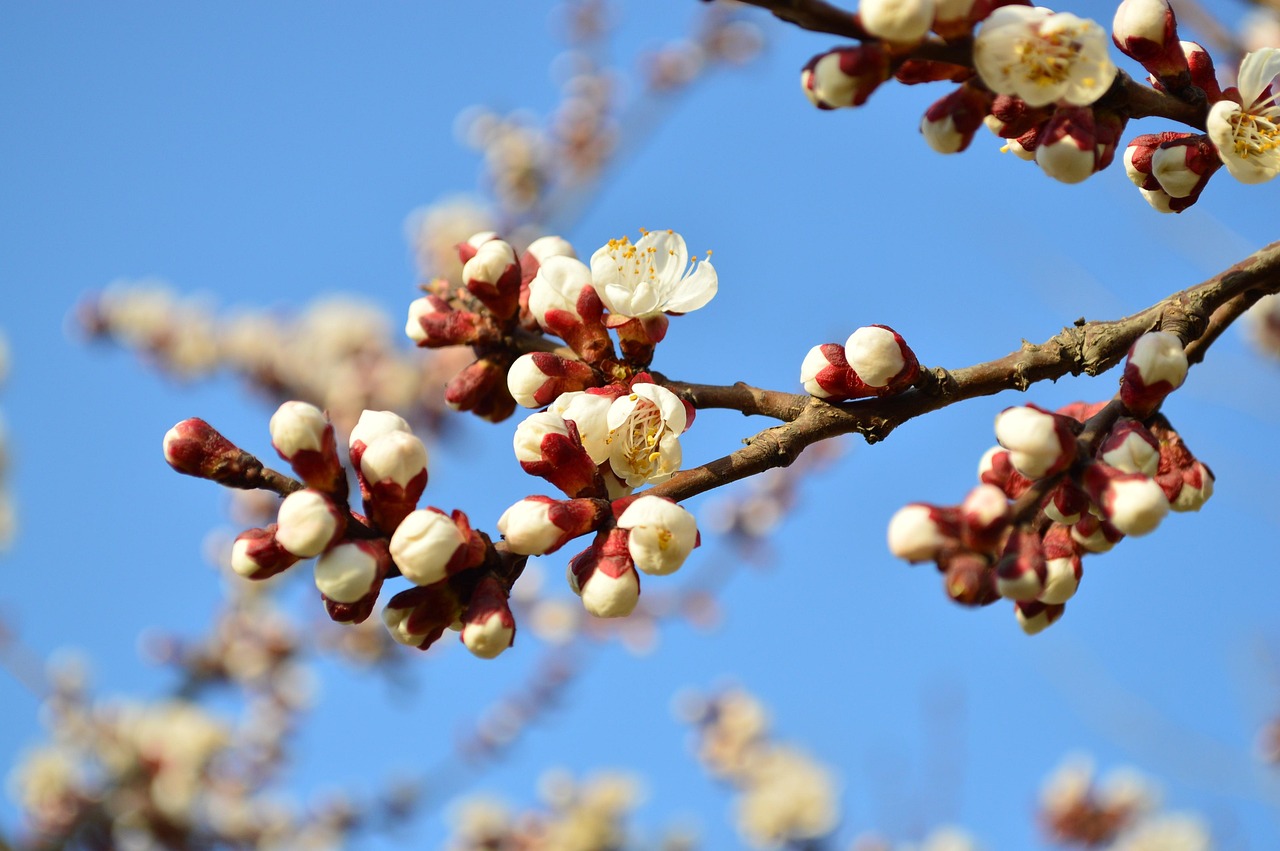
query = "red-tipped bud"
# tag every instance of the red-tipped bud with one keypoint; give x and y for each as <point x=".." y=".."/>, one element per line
<point x="1146" y="30"/>
<point x="605" y="577"/>
<point x="846" y="76"/>
<point x="825" y="373"/>
<point x="918" y="532"/>
<point x="433" y="324"/>
<point x="304" y="437"/>
<point x="548" y="445"/>
<point x="1062" y="566"/>
<point x="256" y="554"/>
<point x="420" y="615"/>
<point x="902" y="22"/>
<point x="349" y="577"/>
<point x="969" y="580"/>
<point x="538" y="525"/>
<point x="493" y="276"/>
<point x="488" y="627"/>
<point x="309" y="523"/>
<point x="950" y="123"/>
<point x="563" y="302"/>
<point x="482" y="389"/>
<point x="1202" y="71"/>
<point x="1067" y="148"/>
<point x="429" y="546"/>
<point x="1184" y="165"/>
<point x="1197" y="487"/>
<point x="1095" y="535"/>
<point x="1157" y="365"/>
<point x="195" y="448"/>
<point x="1066" y="503"/>
<point x="1133" y="503"/>
<point x="1040" y="443"/>
<point x="881" y="360"/>
<point x="393" y="475"/>
<point x="1020" y="573"/>
<point x="1011" y="117"/>
<point x="466" y="250"/>
<point x="995" y="468"/>
<point x="1035" y="617"/>
<point x="536" y="380"/>
<point x="984" y="516"/>
<point x="1130" y="448"/>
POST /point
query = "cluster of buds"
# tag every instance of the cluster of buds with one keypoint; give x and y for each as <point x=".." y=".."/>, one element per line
<point x="1039" y="79"/>
<point x="1243" y="124"/>
<point x="633" y="535"/>
<point x="628" y="288"/>
<point x="874" y="361"/>
<point x="454" y="569"/>
<point x="1061" y="485"/>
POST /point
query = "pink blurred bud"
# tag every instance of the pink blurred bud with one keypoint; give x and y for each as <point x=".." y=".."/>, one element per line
<point x="1035" y="617"/>
<point x="433" y="324"/>
<point x="918" y="532"/>
<point x="951" y="122"/>
<point x="984" y="516"/>
<point x="195" y="448"/>
<point x="846" y="76"/>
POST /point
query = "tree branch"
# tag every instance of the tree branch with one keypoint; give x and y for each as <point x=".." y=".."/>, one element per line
<point x="1197" y="314"/>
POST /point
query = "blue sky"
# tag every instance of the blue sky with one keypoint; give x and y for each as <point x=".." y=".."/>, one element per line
<point x="270" y="154"/>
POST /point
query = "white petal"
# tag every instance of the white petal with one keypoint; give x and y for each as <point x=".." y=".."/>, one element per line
<point x="1257" y="70"/>
<point x="695" y="290"/>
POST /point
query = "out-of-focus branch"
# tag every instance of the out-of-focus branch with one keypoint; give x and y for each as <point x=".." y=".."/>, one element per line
<point x="1197" y="314"/>
<point x="814" y="15"/>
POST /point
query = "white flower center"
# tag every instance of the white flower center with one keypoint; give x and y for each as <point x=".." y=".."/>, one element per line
<point x="640" y="435"/>
<point x="1048" y="59"/>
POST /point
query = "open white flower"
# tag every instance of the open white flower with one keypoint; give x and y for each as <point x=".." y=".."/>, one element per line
<point x="1043" y="56"/>
<point x="652" y="276"/>
<point x="1248" y="137"/>
<point x="644" y="435"/>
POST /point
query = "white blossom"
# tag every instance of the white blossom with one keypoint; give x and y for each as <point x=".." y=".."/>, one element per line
<point x="1043" y="56"/>
<point x="644" y="435"/>
<point x="1247" y="135"/>
<point x="652" y="276"/>
<point x="558" y="286"/>
<point x="662" y="534"/>
<point x="590" y="413"/>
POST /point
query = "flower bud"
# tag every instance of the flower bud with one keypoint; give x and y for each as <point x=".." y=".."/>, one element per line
<point x="954" y="19"/>
<point x="897" y="21"/>
<point x="1197" y="487"/>
<point x="1062" y="566"/>
<point x="492" y="275"/>
<point x="1130" y="448"/>
<point x="604" y="576"/>
<point x="1095" y="535"/>
<point x="195" y="448"/>
<point x="1068" y="145"/>
<point x="563" y="302"/>
<point x="1157" y="365"/>
<point x="1183" y="166"/>
<point x="950" y="123"/>
<point x="1040" y="443"/>
<point x="350" y="576"/>
<point x="539" y="251"/>
<point x="969" y="580"/>
<point x="548" y="445"/>
<point x="846" y="76"/>
<point x="984" y="515"/>
<point x="1202" y="73"/>
<point x="309" y="523"/>
<point x="1020" y="573"/>
<point x="881" y="360"/>
<point x="304" y="437"/>
<point x="1133" y="503"/>
<point x="417" y="617"/>
<point x="1066" y="503"/>
<point x="488" y="627"/>
<point x="393" y="475"/>
<point x="1146" y="30"/>
<point x="538" y="525"/>
<point x="256" y="554"/>
<point x="995" y="468"/>
<point x="538" y="379"/>
<point x="427" y="546"/>
<point x="482" y="389"/>
<point x="433" y="324"/>
<point x="825" y="373"/>
<point x="1035" y="617"/>
<point x="662" y="534"/>
<point x="467" y="249"/>
<point x="918" y="532"/>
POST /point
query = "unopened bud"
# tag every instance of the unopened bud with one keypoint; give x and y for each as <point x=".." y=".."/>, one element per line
<point x="881" y="359"/>
<point x="1131" y="448"/>
<point x="846" y="76"/>
<point x="350" y="576"/>
<point x="488" y="627"/>
<point x="427" y="546"/>
<point x="309" y="523"/>
<point x="538" y="525"/>
<point x="604" y="576"/>
<point x="492" y="275"/>
<point x="304" y="437"/>
<point x="1157" y="365"/>
<point x="432" y="323"/>
<point x="1147" y="31"/>
<point x="1133" y="503"/>
<point x="1068" y="145"/>
<point x="1040" y="443"/>
<point x="256" y="554"/>
<point x="918" y="531"/>
<point x="1035" y="617"/>
<point x="897" y="21"/>
<point x="195" y="448"/>
<point x="538" y="379"/>
<point x="984" y="516"/>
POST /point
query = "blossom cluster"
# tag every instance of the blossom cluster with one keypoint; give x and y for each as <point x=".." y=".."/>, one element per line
<point x="1041" y="80"/>
<point x="458" y="580"/>
<point x="1061" y="485"/>
<point x="874" y="361"/>
<point x="784" y="796"/>
<point x="1119" y="811"/>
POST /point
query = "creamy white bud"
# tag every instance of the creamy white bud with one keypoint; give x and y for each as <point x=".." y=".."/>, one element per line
<point x="296" y="426"/>
<point x="418" y="308"/>
<point x="608" y="597"/>
<point x="346" y="573"/>
<point x="527" y="527"/>
<point x="1133" y="455"/>
<point x="489" y="636"/>
<point x="875" y="355"/>
<point x="914" y="535"/>
<point x="423" y="545"/>
<point x="397" y="456"/>
<point x="814" y="362"/>
<point x="1136" y="506"/>
<point x="1031" y="437"/>
<point x="306" y="523"/>
<point x="1060" y="582"/>
<point x="531" y="432"/>
<point x="524" y="379"/>
<point x="1159" y="356"/>
<point x="374" y="424"/>
<point x="550" y="246"/>
<point x="900" y="21"/>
